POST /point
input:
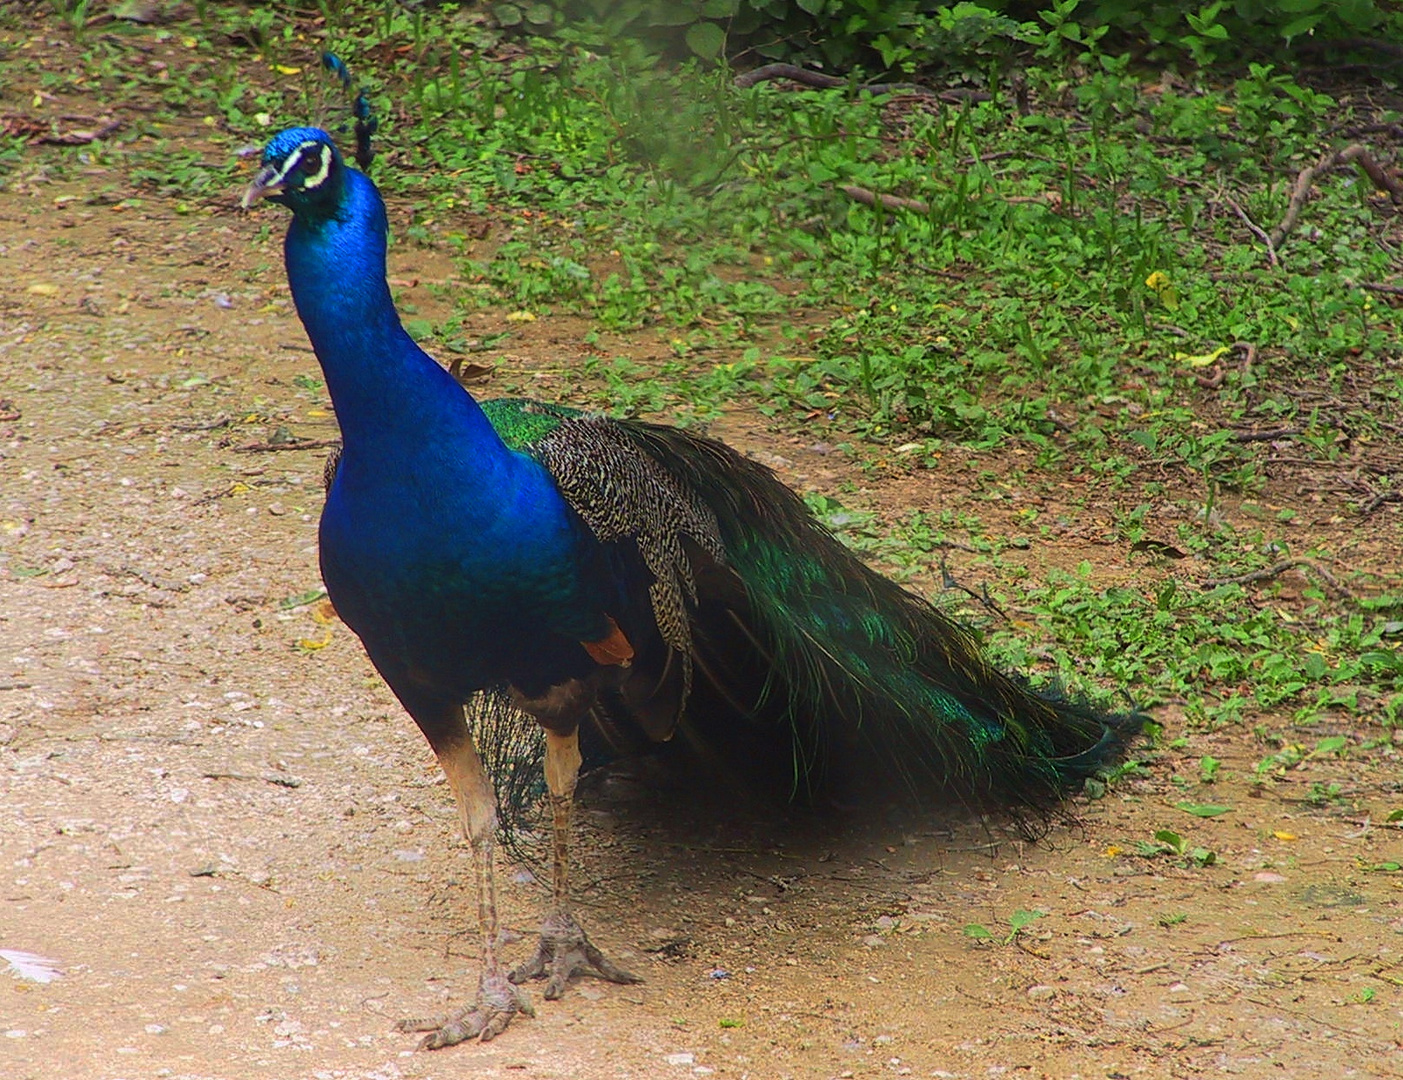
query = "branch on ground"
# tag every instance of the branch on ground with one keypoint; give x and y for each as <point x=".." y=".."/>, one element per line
<point x="1332" y="583"/>
<point x="288" y="444"/>
<point x="1357" y="154"/>
<point x="828" y="82"/>
<point x="889" y="202"/>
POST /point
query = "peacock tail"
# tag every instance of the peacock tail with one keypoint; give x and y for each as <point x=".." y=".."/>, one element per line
<point x="864" y="673"/>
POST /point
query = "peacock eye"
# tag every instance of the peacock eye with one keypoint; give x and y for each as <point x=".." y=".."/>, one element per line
<point x="312" y="165"/>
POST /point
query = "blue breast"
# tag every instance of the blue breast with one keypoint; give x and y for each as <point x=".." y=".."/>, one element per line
<point x="478" y="591"/>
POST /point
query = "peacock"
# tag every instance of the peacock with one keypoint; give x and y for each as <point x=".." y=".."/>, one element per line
<point x="634" y="581"/>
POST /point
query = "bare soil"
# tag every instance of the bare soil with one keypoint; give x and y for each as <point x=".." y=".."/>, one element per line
<point x="218" y="820"/>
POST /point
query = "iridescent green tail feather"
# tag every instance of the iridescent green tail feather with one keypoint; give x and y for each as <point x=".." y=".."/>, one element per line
<point x="866" y="677"/>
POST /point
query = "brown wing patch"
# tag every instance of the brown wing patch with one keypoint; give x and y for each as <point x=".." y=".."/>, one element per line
<point x="612" y="649"/>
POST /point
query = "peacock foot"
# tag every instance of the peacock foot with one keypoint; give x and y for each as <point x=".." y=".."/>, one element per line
<point x="564" y="950"/>
<point x="486" y="1018"/>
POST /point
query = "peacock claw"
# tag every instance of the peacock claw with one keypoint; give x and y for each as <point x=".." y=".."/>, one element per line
<point x="498" y="1000"/>
<point x="563" y="951"/>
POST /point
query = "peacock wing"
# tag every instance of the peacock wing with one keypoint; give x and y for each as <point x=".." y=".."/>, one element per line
<point x="625" y="496"/>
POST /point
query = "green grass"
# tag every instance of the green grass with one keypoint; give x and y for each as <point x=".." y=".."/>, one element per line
<point x="1080" y="291"/>
<point x="1067" y="262"/>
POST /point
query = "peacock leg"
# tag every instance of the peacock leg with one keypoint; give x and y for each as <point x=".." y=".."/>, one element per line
<point x="564" y="950"/>
<point x="497" y="999"/>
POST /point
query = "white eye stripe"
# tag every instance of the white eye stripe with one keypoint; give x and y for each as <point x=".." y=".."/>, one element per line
<point x="294" y="159"/>
<point x="323" y="172"/>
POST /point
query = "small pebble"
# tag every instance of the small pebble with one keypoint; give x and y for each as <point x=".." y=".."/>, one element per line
<point x="680" y="1059"/>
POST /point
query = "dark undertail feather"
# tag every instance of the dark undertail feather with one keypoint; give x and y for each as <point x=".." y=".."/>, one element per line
<point x="866" y="676"/>
<point x="513" y="750"/>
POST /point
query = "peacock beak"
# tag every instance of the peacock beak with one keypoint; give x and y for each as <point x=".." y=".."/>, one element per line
<point x="268" y="180"/>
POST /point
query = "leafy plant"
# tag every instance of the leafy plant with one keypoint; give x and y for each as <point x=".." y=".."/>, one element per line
<point x="1168" y="842"/>
<point x="1019" y="921"/>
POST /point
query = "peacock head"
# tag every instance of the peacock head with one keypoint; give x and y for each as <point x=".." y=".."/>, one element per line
<point x="302" y="169"/>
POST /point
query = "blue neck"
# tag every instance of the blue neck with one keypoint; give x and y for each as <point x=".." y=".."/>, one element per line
<point x="383" y="386"/>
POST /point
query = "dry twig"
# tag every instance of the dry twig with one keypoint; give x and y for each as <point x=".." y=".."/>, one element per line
<point x="1249" y="354"/>
<point x="828" y="82"/>
<point x="1266" y="436"/>
<point x="271" y="778"/>
<point x="290" y="444"/>
<point x="1356" y="153"/>
<point x="1377" y="500"/>
<point x="889" y="202"/>
<point x="1256" y="229"/>
<point x="80" y="138"/>
<point x="1331" y="582"/>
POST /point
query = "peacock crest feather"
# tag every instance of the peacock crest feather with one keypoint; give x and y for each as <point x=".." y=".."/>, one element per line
<point x="365" y="123"/>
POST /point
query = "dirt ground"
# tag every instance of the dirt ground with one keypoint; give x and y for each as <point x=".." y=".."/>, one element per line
<point x="218" y="821"/>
